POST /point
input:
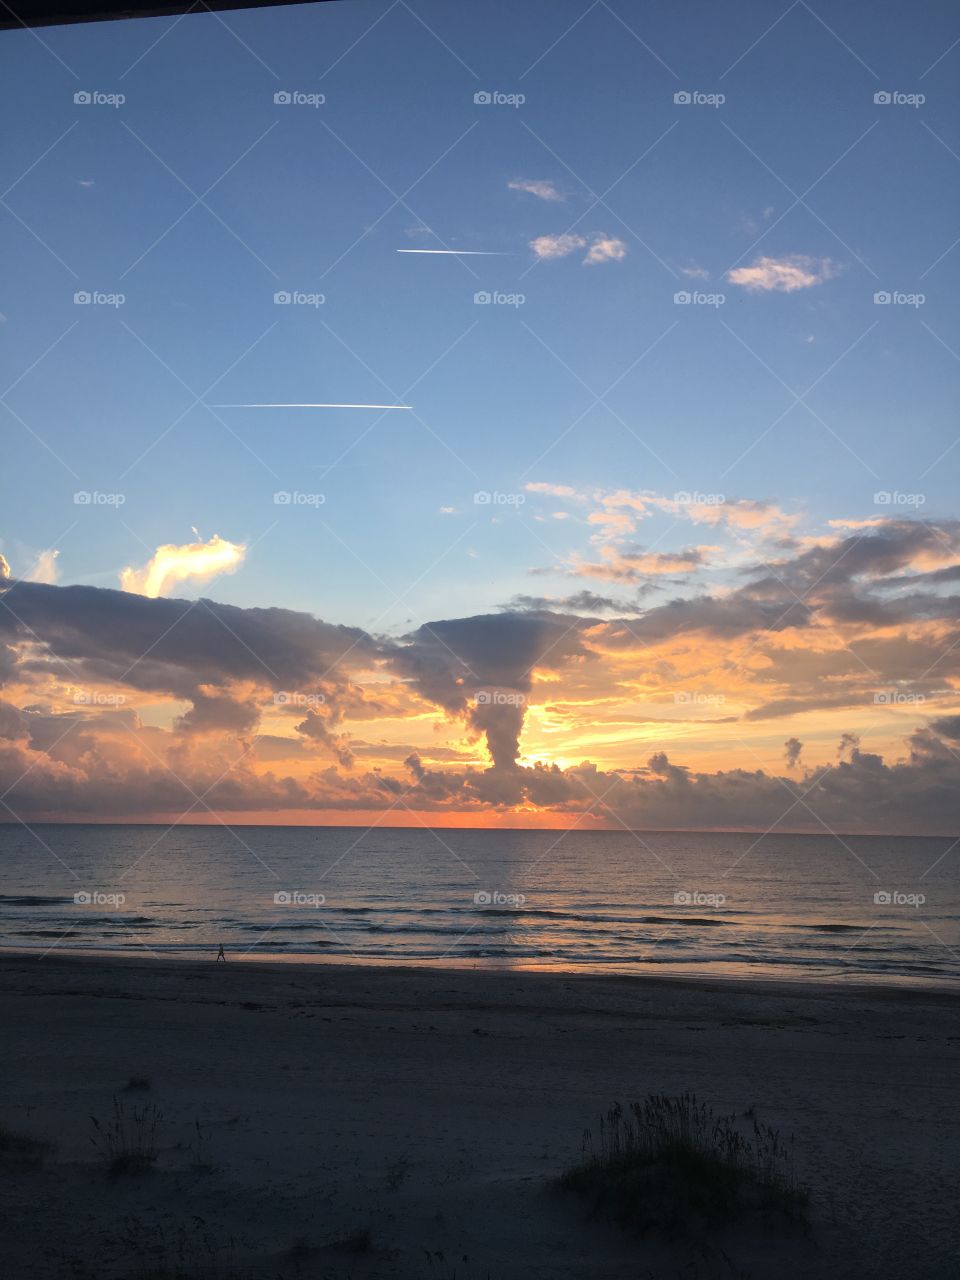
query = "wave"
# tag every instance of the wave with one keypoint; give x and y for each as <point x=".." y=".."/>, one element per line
<point x="32" y="900"/>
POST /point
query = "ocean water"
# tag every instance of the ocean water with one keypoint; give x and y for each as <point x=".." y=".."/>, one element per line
<point x="778" y="906"/>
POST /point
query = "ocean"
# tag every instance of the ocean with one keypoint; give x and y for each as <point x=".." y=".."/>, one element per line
<point x="865" y="908"/>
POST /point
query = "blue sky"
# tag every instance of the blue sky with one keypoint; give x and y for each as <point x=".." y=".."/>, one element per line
<point x="706" y="409"/>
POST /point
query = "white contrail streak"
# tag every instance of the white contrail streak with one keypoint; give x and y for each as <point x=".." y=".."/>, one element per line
<point x="310" y="406"/>
<point x="462" y="253"/>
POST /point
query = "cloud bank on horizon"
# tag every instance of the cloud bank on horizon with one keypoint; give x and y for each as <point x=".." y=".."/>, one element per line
<point x="565" y="710"/>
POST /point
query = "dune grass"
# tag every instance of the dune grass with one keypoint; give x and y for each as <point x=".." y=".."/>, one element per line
<point x="127" y="1142"/>
<point x="670" y="1163"/>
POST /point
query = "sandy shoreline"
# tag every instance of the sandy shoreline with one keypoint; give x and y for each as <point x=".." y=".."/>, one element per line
<point x="431" y="1108"/>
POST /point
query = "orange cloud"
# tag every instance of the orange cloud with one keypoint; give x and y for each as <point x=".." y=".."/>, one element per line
<point x="196" y="562"/>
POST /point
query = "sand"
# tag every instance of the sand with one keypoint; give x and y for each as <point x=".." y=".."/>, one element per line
<point x="409" y="1122"/>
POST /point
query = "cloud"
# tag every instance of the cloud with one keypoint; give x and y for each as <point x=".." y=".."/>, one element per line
<point x="44" y="568"/>
<point x="543" y="190"/>
<point x="635" y="565"/>
<point x="693" y="272"/>
<point x="196" y="562"/>
<point x="119" y="705"/>
<point x="4" y="567"/>
<point x="548" y="247"/>
<point x="555" y="490"/>
<point x="606" y="249"/>
<point x="783" y="275"/>
<point x="602" y="248"/>
<point x="579" y="602"/>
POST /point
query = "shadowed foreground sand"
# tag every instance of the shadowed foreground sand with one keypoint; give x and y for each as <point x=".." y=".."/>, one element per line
<point x="431" y="1108"/>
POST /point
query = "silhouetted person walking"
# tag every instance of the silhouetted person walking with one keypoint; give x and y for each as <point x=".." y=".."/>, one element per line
<point x="220" y="955"/>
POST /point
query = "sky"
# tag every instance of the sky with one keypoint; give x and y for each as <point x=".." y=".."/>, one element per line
<point x="528" y="415"/>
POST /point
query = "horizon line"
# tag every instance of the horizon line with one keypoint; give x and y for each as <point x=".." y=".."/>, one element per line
<point x="591" y="831"/>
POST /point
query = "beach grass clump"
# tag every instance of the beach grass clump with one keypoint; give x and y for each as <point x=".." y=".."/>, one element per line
<point x="128" y="1142"/>
<point x="22" y="1150"/>
<point x="670" y="1163"/>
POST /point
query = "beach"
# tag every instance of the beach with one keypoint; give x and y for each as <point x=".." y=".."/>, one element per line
<point x="327" y="1120"/>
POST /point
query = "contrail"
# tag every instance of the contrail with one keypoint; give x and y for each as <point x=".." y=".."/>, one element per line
<point x="463" y="253"/>
<point x="310" y="406"/>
